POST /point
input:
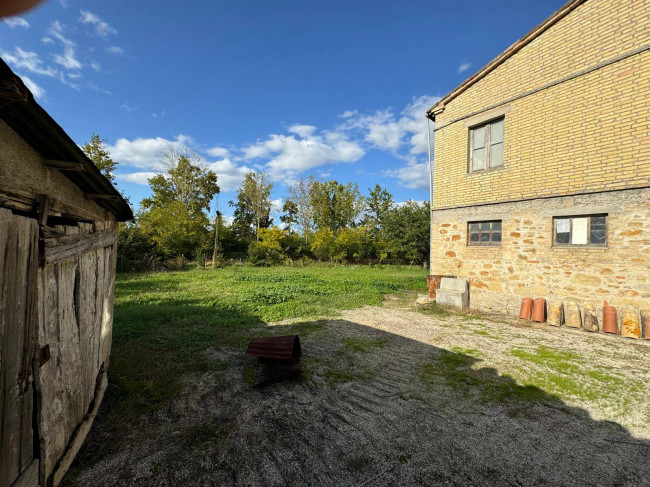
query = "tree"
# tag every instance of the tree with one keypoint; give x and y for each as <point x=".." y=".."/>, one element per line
<point x="352" y="244"/>
<point x="378" y="204"/>
<point x="290" y="216"/>
<point x="97" y="153"/>
<point x="336" y="206"/>
<point x="323" y="244"/>
<point x="186" y="180"/>
<point x="175" y="216"/>
<point x="268" y="250"/>
<point x="253" y="205"/>
<point x="301" y="197"/>
<point x="406" y="231"/>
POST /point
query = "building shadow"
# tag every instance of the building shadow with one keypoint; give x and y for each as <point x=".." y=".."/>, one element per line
<point x="372" y="408"/>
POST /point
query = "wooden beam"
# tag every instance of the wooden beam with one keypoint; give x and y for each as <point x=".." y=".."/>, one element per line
<point x="25" y="201"/>
<point x="102" y="197"/>
<point x="57" y="249"/>
<point x="43" y="202"/>
<point x="64" y="165"/>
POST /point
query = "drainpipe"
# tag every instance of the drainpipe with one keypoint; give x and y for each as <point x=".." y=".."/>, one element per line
<point x="430" y="192"/>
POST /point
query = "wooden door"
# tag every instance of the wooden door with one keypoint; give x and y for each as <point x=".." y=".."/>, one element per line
<point x="18" y="314"/>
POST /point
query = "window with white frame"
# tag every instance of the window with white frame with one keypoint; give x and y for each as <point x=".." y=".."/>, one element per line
<point x="580" y="230"/>
<point x="486" y="145"/>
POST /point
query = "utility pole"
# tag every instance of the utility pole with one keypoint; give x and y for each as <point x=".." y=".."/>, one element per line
<point x="216" y="236"/>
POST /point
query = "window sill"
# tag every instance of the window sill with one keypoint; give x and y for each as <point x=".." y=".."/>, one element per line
<point x="579" y="247"/>
<point x="484" y="246"/>
<point x="486" y="171"/>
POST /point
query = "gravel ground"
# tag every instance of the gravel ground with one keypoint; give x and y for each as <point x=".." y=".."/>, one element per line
<point x="391" y="396"/>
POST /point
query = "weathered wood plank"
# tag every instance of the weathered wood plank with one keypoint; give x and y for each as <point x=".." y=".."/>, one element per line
<point x="64" y="165"/>
<point x="58" y="249"/>
<point x="25" y="201"/>
<point x="82" y="432"/>
<point x="76" y="321"/>
<point x="29" y="477"/>
<point x="17" y="268"/>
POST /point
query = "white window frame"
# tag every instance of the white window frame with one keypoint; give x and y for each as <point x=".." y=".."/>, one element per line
<point x="486" y="160"/>
<point x="589" y="243"/>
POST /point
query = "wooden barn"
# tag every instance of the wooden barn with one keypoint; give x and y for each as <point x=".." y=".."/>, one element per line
<point x="58" y="229"/>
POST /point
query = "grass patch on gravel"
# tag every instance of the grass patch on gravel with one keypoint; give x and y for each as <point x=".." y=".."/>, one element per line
<point x="164" y="322"/>
<point x="356" y="344"/>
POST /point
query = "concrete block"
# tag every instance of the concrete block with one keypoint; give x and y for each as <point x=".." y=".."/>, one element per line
<point x="572" y="315"/>
<point x="555" y="314"/>
<point x="453" y="292"/>
<point x="590" y="321"/>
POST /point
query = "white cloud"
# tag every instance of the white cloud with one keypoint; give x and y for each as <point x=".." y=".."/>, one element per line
<point x="302" y="130"/>
<point x="17" y="21"/>
<point x="464" y="66"/>
<point x="141" y="177"/>
<point x="290" y="155"/>
<point x="102" y="29"/>
<point x="28" y="60"/>
<point x="413" y="175"/>
<point x="218" y="152"/>
<point x="276" y="205"/>
<point x="128" y="108"/>
<point x="36" y="90"/>
<point x="66" y="59"/>
<point x="95" y="66"/>
<point x="47" y="40"/>
<point x="144" y="153"/>
<point x="93" y="86"/>
<point x="115" y="50"/>
<point x="229" y="174"/>
<point x="348" y="114"/>
<point x="387" y="131"/>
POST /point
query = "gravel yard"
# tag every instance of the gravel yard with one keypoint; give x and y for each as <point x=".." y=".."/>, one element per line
<point x="391" y="396"/>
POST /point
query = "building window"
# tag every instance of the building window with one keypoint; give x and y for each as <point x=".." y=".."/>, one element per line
<point x="580" y="230"/>
<point x="484" y="233"/>
<point x="486" y="146"/>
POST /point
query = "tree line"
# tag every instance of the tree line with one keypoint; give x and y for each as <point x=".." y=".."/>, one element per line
<point x="321" y="220"/>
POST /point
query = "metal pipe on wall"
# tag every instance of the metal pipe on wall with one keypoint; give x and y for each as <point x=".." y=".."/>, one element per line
<point x="430" y="191"/>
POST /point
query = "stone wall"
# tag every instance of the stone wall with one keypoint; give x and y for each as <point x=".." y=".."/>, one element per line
<point x="528" y="264"/>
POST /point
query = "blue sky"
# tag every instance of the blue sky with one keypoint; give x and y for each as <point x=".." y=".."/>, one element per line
<point x="331" y="88"/>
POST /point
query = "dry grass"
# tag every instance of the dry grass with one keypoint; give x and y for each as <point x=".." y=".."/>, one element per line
<point x="391" y="396"/>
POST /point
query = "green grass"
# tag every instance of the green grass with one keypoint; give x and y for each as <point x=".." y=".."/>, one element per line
<point x="356" y="344"/>
<point x="164" y="322"/>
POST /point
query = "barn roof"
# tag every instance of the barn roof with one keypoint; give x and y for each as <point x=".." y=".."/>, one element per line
<point x="555" y="17"/>
<point x="27" y="118"/>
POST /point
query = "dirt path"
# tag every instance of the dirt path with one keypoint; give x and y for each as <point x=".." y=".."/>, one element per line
<point x="394" y="397"/>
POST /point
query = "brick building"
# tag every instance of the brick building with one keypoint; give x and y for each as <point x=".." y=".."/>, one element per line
<point x="541" y="184"/>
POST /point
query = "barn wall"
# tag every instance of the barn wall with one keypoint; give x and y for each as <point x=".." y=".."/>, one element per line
<point x="18" y="271"/>
<point x="75" y="320"/>
<point x="22" y="170"/>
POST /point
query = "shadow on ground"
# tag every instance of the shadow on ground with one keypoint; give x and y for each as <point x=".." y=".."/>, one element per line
<point x="372" y="408"/>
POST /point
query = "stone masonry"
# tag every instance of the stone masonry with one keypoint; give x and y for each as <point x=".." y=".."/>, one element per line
<point x="528" y="264"/>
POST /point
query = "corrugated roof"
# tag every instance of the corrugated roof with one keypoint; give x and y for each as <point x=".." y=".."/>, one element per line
<point x="501" y="58"/>
<point x="21" y="112"/>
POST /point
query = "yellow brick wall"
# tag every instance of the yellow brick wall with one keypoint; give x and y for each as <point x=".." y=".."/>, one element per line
<point x="588" y="134"/>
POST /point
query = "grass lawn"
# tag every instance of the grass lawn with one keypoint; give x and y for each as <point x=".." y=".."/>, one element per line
<point x="164" y="321"/>
<point x="389" y="395"/>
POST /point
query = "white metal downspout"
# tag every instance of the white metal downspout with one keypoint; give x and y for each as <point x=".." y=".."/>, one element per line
<point x="430" y="193"/>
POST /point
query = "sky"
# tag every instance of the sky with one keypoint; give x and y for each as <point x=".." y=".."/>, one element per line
<point x="337" y="89"/>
